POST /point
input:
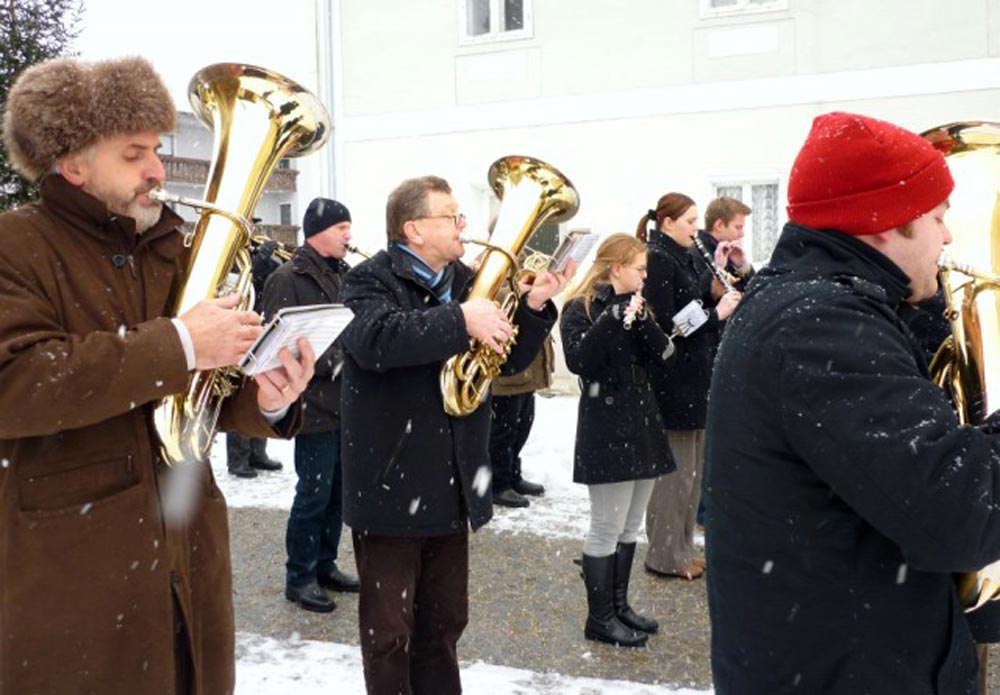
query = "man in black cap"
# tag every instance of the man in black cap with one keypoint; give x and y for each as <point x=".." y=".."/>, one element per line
<point x="314" y="275"/>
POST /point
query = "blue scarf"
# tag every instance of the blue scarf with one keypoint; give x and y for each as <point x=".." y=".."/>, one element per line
<point x="437" y="282"/>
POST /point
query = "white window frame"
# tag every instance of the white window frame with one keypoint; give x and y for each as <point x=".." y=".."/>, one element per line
<point x="495" y="35"/>
<point x="746" y="185"/>
<point x="706" y="11"/>
<point x="168" y="145"/>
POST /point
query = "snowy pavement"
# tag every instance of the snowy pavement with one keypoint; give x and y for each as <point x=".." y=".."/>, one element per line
<point x="276" y="665"/>
<point x="267" y="666"/>
<point x="547" y="458"/>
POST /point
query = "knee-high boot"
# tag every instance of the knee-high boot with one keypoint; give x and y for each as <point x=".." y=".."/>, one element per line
<point x="602" y="623"/>
<point x="623" y="573"/>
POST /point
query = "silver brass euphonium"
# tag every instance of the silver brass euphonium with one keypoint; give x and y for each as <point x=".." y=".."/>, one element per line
<point x="532" y="193"/>
<point x="967" y="364"/>
<point x="258" y="117"/>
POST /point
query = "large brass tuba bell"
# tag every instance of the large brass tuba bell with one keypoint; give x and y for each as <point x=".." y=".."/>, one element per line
<point x="258" y="117"/>
<point x="532" y="193"/>
<point x="967" y="365"/>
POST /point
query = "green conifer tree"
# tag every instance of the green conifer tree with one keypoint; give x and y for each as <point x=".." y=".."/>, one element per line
<point x="30" y="31"/>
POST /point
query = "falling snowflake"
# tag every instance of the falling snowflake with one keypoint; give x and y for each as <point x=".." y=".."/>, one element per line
<point x="481" y="483"/>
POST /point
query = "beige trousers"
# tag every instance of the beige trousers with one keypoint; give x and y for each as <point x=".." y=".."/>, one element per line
<point x="670" y="516"/>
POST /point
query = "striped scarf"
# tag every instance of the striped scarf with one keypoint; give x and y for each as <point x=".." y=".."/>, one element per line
<point x="437" y="282"/>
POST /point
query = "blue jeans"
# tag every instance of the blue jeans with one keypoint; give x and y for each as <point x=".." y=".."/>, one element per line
<point x="315" y="521"/>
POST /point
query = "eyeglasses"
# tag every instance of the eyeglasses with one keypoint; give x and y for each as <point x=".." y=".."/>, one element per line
<point x="457" y="219"/>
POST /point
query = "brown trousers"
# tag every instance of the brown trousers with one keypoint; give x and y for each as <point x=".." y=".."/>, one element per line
<point x="413" y="607"/>
<point x="670" y="515"/>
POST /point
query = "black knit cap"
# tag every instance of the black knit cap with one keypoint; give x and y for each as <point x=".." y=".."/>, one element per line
<point x="322" y="214"/>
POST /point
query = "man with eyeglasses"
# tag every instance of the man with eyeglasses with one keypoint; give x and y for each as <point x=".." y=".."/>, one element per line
<point x="415" y="478"/>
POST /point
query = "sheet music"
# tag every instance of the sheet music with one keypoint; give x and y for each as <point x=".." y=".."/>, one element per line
<point x="320" y="324"/>
<point x="689" y="319"/>
<point x="576" y="245"/>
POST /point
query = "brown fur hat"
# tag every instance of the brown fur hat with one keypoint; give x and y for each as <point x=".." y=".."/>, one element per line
<point x="61" y="106"/>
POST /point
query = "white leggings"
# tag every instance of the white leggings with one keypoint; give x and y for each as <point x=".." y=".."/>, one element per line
<point x="616" y="514"/>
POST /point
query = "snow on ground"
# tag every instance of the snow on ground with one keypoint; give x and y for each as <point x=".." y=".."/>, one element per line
<point x="547" y="458"/>
<point x="267" y="666"/>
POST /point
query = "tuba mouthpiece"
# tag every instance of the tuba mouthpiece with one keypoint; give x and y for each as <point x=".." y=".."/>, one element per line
<point x="160" y="195"/>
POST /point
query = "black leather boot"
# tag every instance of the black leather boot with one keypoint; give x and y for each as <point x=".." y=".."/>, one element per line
<point x="259" y="458"/>
<point x="602" y="623"/>
<point x="336" y="579"/>
<point x="623" y="573"/>
<point x="310" y="597"/>
<point x="526" y="487"/>
<point x="241" y="469"/>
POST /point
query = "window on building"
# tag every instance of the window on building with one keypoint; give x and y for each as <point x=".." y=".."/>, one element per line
<point x="494" y="20"/>
<point x="764" y="224"/>
<point x="285" y="213"/>
<point x="167" y="144"/>
<point x="715" y="8"/>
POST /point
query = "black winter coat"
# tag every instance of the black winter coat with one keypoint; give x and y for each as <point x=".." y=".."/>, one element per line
<point x="681" y="386"/>
<point x="410" y="469"/>
<point x="841" y="491"/>
<point x="619" y="431"/>
<point x="306" y="278"/>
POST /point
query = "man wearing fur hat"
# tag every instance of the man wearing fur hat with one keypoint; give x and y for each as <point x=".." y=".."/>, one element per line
<point x="841" y="491"/>
<point x="102" y="591"/>
<point x="314" y="275"/>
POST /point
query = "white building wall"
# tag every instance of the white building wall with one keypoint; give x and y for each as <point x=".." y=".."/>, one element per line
<point x="634" y="99"/>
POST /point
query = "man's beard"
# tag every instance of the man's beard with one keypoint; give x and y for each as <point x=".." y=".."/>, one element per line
<point x="145" y="216"/>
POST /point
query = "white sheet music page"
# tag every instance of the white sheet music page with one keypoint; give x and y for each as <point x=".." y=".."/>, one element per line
<point x="689" y="319"/>
<point x="576" y="245"/>
<point x="320" y="324"/>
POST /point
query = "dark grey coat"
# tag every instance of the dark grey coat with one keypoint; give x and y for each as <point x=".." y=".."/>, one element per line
<point x="306" y="278"/>
<point x="619" y="431"/>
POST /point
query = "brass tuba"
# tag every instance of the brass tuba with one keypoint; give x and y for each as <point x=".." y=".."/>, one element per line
<point x="258" y="117"/>
<point x="967" y="365"/>
<point x="532" y="193"/>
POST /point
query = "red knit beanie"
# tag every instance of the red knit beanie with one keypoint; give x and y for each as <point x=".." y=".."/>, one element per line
<point x="863" y="176"/>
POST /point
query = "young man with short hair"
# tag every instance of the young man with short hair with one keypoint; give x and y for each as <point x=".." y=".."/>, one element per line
<point x="841" y="492"/>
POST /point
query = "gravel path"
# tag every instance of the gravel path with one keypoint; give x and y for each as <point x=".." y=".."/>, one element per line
<point x="527" y="607"/>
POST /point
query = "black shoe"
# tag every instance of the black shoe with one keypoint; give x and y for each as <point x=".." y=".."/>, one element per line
<point x="603" y="624"/>
<point x="524" y="487"/>
<point x="242" y="470"/>
<point x="266" y="464"/>
<point x="337" y="580"/>
<point x="509" y="498"/>
<point x="310" y="597"/>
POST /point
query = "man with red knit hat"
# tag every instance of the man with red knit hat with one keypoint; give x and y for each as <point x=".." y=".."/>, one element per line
<point x="841" y="491"/>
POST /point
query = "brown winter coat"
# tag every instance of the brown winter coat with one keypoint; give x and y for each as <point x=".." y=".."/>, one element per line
<point x="537" y="376"/>
<point x="90" y="575"/>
